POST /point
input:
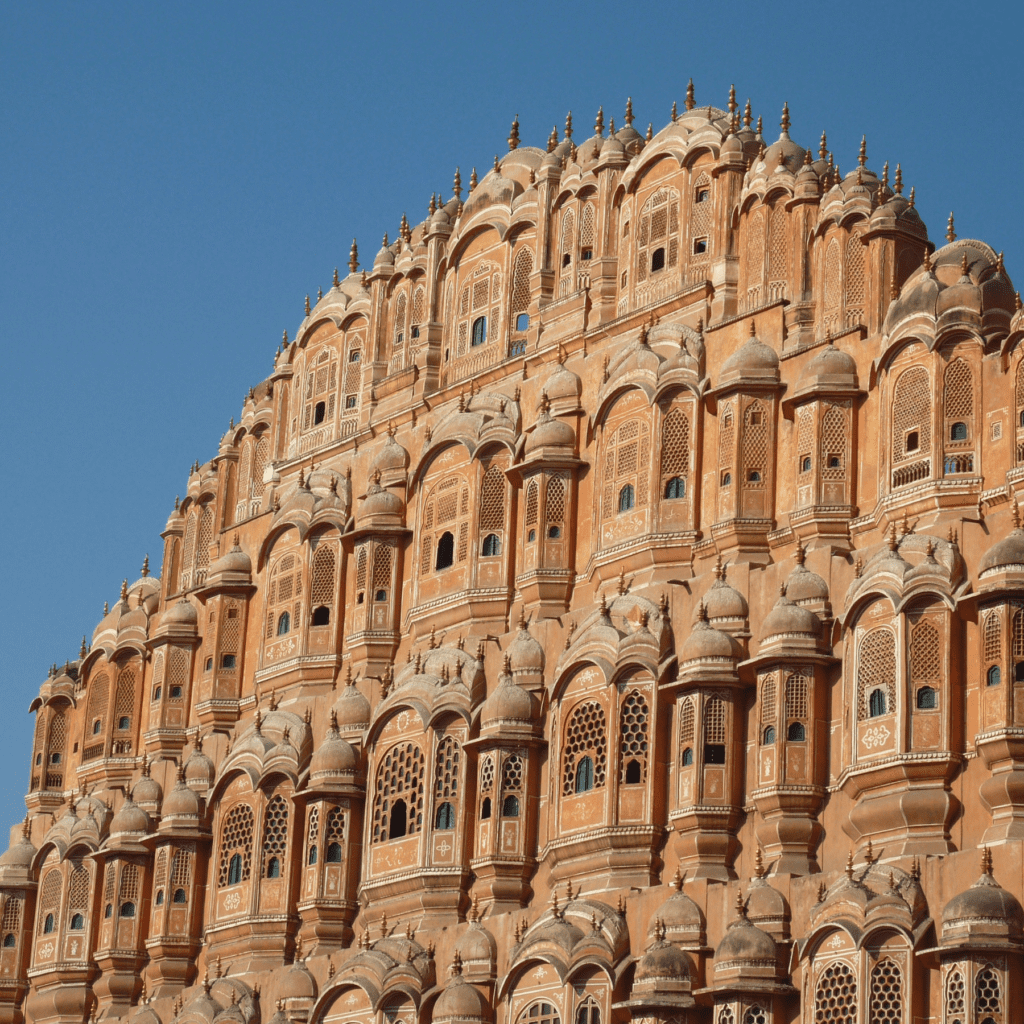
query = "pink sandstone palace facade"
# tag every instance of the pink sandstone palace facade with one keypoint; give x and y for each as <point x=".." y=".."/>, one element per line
<point x="609" y="608"/>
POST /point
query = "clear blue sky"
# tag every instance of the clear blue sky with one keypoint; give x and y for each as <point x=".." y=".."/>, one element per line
<point x="174" y="178"/>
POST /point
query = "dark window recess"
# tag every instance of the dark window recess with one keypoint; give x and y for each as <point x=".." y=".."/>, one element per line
<point x="350" y="402"/>
<point x="913" y="441"/>
<point x="675" y="488"/>
<point x="228" y="661"/>
<point x="627" y="498"/>
<point x="397" y="822"/>
<point x="726" y="479"/>
<point x="180" y="896"/>
<point x="633" y="772"/>
<point x="769" y="735"/>
<point x="585" y="775"/>
<point x="445" y="819"/>
<point x="175" y="693"/>
<point x="485" y="808"/>
<point x="510" y="807"/>
<point x="658" y="260"/>
<point x="995" y="676"/>
<point x="415" y="332"/>
<point x="587" y="254"/>
<point x="876" y="703"/>
<point x="380" y="595"/>
<point x="958" y="432"/>
<point x="235" y="869"/>
<point x="554" y="532"/>
<point x="927" y="699"/>
<point x="284" y="624"/>
<point x="319" y="412"/>
<point x="566" y="259"/>
<point x="333" y="853"/>
<point x="805" y="464"/>
<point x="522" y="321"/>
<point x="796" y="732"/>
<point x="322" y="616"/>
<point x="479" y="331"/>
<point x="700" y="245"/>
<point x="491" y="545"/>
<point x="445" y="551"/>
<point x="714" y="753"/>
<point x="687" y="756"/>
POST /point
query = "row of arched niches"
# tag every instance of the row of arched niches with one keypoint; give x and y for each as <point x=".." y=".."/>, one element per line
<point x="610" y="608"/>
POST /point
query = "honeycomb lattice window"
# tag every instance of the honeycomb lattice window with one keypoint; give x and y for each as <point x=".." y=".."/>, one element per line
<point x="633" y="725"/>
<point x="124" y="703"/>
<point x="686" y="722"/>
<point x="522" y="268"/>
<point x="177" y="673"/>
<point x="675" y="445"/>
<point x="911" y="416"/>
<point x="261" y="454"/>
<point x="492" y="500"/>
<point x="778" y="270"/>
<point x="835" y="439"/>
<point x="181" y="866"/>
<point x="399" y="777"/>
<point x="756" y="223"/>
<point x="876" y="669"/>
<point x="419" y="301"/>
<point x="755" y="445"/>
<point x="334" y="830"/>
<point x="958" y="392"/>
<point x="322" y="592"/>
<point x="886" y="993"/>
<point x="1017" y="631"/>
<point x="487" y="775"/>
<point x="627" y="461"/>
<point x="10" y="921"/>
<point x="312" y="831"/>
<point x="993" y="632"/>
<point x="586" y="736"/>
<point x="532" y="492"/>
<point x="512" y="775"/>
<point x="714" y="721"/>
<point x="835" y="999"/>
<point x="204" y="539"/>
<point x="78" y="889"/>
<point x="804" y="438"/>
<point x="833" y="291"/>
<point x="361" y="562"/>
<point x="230" y="630"/>
<point x="382" y="568"/>
<point x="956" y="998"/>
<point x="188" y="551"/>
<point x="925" y="653"/>
<point x="99" y="696"/>
<point x="566" y="251"/>
<point x="797" y="691"/>
<point x="425" y="549"/>
<point x="236" y="837"/>
<point x="160" y="871"/>
<point x="725" y="1016"/>
<point x="108" y="883"/>
<point x="755" y="1015"/>
<point x="854" y="279"/>
<point x="555" y="510"/>
<point x="658" y="229"/>
<point x="726" y="437"/>
<point x="49" y="896"/>
<point x="700" y="219"/>
<point x="129" y="888"/>
<point x="275" y="832"/>
<point x="58" y="733"/>
<point x="768" y="701"/>
<point x="399" y="325"/>
<point x="987" y="993"/>
<point x="587" y="226"/>
<point x="446" y="768"/>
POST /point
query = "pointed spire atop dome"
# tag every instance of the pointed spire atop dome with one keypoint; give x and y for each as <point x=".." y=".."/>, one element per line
<point x="950" y="231"/>
<point x="675" y="112"/>
<point x="513" y="135"/>
<point x="748" y="115"/>
<point x="690" y="102"/>
<point x="568" y="125"/>
<point x="599" y="122"/>
<point x="733" y="105"/>
<point x="784" y="121"/>
<point x="862" y="156"/>
<point x="457" y="184"/>
<point x="552" y="140"/>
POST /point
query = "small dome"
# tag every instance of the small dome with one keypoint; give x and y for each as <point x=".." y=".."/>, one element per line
<point x="477" y="944"/>
<point x="130" y="820"/>
<point x="181" y="613"/>
<point x="766" y="906"/>
<point x="352" y="708"/>
<point x="334" y="756"/>
<point x="297" y="984"/>
<point x="380" y="501"/>
<point x="508" y="703"/>
<point x="707" y="642"/>
<point x="549" y="432"/>
<point x="460" y="1000"/>
<point x="147" y="791"/>
<point x="681" y="916"/>
<point x="199" y="770"/>
<point x="181" y="802"/>
<point x="525" y="653"/>
<point x="19" y="855"/>
<point x="722" y="601"/>
<point x="1007" y="552"/>
<point x="563" y="386"/>
<point x="753" y="361"/>
<point x="830" y="366"/>
<point x="788" y="618"/>
<point x="985" y="907"/>
<point x="804" y="586"/>
<point x="235" y="561"/>
<point x="963" y="295"/>
<point x="745" y="942"/>
<point x="663" y="962"/>
<point x="385" y="257"/>
<point x="392" y="458"/>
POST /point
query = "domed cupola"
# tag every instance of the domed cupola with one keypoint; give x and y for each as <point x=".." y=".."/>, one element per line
<point x="681" y="918"/>
<point x="766" y="906"/>
<point x="179" y="620"/>
<point x="231" y="569"/>
<point x="985" y="916"/>
<point x="753" y="363"/>
<point x="509" y="706"/>
<point x="460" y="1001"/>
<point x="351" y="709"/>
<point x="392" y="461"/>
<point x="477" y="947"/>
<point x="199" y="769"/>
<point x="960" y="302"/>
<point x="180" y="809"/>
<point x="632" y="141"/>
<point x="549" y="434"/>
<point x="808" y="183"/>
<point x="806" y="588"/>
<point x="784" y="155"/>
<point x="526" y="656"/>
<point x="831" y="372"/>
<point x="726" y="607"/>
<point x="917" y="297"/>
<point x="1006" y="555"/>
<point x="563" y="388"/>
<point x="16" y="860"/>
<point x="334" y="760"/>
<point x="790" y="627"/>
<point x="129" y="826"/>
<point x="747" y="958"/>
<point x="133" y="622"/>
<point x="380" y="507"/>
<point x="663" y="978"/>
<point x="385" y="258"/>
<point x="707" y="647"/>
<point x="147" y="792"/>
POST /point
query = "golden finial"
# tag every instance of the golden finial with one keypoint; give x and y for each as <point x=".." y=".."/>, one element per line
<point x="513" y="135"/>
<point x="823" y="147"/>
<point x="319" y="293"/>
<point x="259" y="722"/>
<point x="124" y="590"/>
<point x="622" y="582"/>
<point x="950" y="233"/>
<point x="403" y="229"/>
<point x="307" y="306"/>
<point x="690" y="102"/>
<point x="760" y="126"/>
<point x="758" y="863"/>
<point x="599" y="122"/>
<point x="456" y="967"/>
<point x="472" y="179"/>
<point x="753" y="328"/>
<point x="145" y="566"/>
<point x="83" y="650"/>
<point x="457" y="184"/>
<point x="904" y="524"/>
<point x="432" y="206"/>
<point x="897" y="181"/>
<point x="869" y="853"/>
<point x="986" y="861"/>
<point x="741" y="907"/>
<point x="702" y="611"/>
<point x="335" y="282"/>
<point x="629" y="110"/>
<point x="383" y="925"/>
<point x="885" y="174"/>
<point x="849" y="865"/>
<point x="552" y="140"/>
<point x="862" y="156"/>
<point x="675" y="112"/>
<point x="801" y="552"/>
<point x="964" y="266"/>
<point x="733" y="105"/>
<point x="784" y="122"/>
<point x="611" y="126"/>
<point x="568" y="125"/>
<point x="893" y="543"/>
<point x="927" y="257"/>
<point x="650" y="132"/>
<point x="748" y="115"/>
<point x="677" y="880"/>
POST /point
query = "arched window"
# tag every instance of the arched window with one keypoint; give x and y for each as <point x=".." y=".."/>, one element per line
<point x="588" y="1013"/>
<point x="235" y="869"/>
<point x="675" y="488"/>
<point x="633" y="747"/>
<point x="128" y="909"/>
<point x="445" y="557"/>
<point x="958" y="432"/>
<point x="796" y="732"/>
<point x="927" y="699"/>
<point x="491" y="545"/>
<point x="987" y="994"/>
<point x="312" y="858"/>
<point x="627" y="498"/>
<point x="479" y="331"/>
<point x="275" y="836"/>
<point x="398" y="821"/>
<point x="10" y="940"/>
<point x="236" y="845"/>
<point x="445" y="818"/>
<point x="399" y="781"/>
<point x="768" y="736"/>
<point x="160" y="898"/>
<point x="77" y="922"/>
<point x="886" y="992"/>
<point x="633" y="772"/>
<point x="911" y="419"/>
<point x="715" y="731"/>
<point x="485" y="808"/>
<point x="510" y="807"/>
<point x="626" y="464"/>
<point x="284" y="624"/>
<point x="322" y="616"/>
<point x="956" y="998"/>
<point x="539" y="1013"/>
<point x="48" y="924"/>
<point x="994" y="676"/>
<point x="180" y="896"/>
<point x="585" y="739"/>
<point x="585" y="775"/>
<point x="687" y="757"/>
<point x="876" y="703"/>
<point x="835" y="998"/>
<point x="333" y="853"/>
<point x="658" y="260"/>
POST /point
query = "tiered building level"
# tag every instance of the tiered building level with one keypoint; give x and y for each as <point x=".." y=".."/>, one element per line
<point x="610" y="608"/>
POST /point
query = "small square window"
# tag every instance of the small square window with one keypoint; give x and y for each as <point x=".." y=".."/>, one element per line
<point x="703" y="195"/>
<point x="227" y="661"/>
<point x="700" y="245"/>
<point x="350" y="402"/>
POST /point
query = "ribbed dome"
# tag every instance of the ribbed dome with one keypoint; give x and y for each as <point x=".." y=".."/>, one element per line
<point x="830" y="366"/>
<point x="663" y="961"/>
<point x="744" y="942"/>
<point x="723" y="601"/>
<point x="130" y="820"/>
<point x="563" y="386"/>
<point x="984" y="907"/>
<point x="19" y="855"/>
<point x="508" y="703"/>
<point x="754" y="361"/>
<point x="477" y="944"/>
<point x="707" y="642"/>
<point x="181" y="802"/>
<point x="1007" y="552"/>
<point x="352" y="708"/>
<point x="392" y="458"/>
<point x="199" y="770"/>
<point x="181" y="613"/>
<point x="235" y="561"/>
<point x="297" y="984"/>
<point x="788" y="618"/>
<point x="460" y="1001"/>
<point x="803" y="585"/>
<point x="147" y="792"/>
<point x="525" y="654"/>
<point x="334" y="756"/>
<point x="549" y="432"/>
<point x="381" y="502"/>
